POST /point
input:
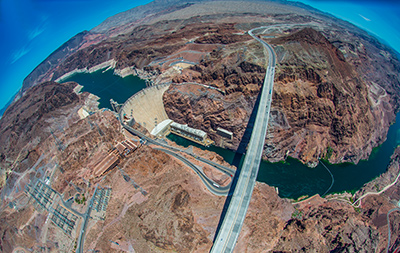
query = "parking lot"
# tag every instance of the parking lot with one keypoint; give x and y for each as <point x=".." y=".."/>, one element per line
<point x="101" y="199"/>
<point x="42" y="194"/>
<point x="64" y="219"/>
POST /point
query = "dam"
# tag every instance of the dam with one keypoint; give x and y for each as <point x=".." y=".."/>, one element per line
<point x="146" y="107"/>
<point x="293" y="178"/>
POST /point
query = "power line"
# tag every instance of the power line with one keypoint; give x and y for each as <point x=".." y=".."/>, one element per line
<point x="333" y="180"/>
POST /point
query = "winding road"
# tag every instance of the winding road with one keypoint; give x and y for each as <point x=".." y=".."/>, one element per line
<point x="233" y="220"/>
<point x="229" y="231"/>
<point x="375" y="193"/>
<point x="210" y="184"/>
<point x="389" y="232"/>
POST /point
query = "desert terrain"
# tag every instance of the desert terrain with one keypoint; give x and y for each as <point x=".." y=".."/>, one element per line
<point x="335" y="95"/>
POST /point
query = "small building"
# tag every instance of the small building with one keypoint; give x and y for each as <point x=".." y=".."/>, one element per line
<point x="129" y="144"/>
<point x="225" y="133"/>
<point x="83" y="113"/>
<point x="125" y="147"/>
<point x="161" y="129"/>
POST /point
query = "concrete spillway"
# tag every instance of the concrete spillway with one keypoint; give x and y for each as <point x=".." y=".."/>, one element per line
<point x="146" y="106"/>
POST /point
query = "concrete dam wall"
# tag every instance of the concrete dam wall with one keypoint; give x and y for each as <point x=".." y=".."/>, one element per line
<point x="146" y="106"/>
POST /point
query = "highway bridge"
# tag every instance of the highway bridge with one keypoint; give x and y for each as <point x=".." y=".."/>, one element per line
<point x="229" y="231"/>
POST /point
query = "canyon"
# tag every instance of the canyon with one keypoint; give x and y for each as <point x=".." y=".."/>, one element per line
<point x="336" y="85"/>
<point x="335" y="95"/>
<point x="178" y="212"/>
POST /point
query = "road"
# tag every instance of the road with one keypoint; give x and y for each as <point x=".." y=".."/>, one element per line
<point x="375" y="193"/>
<point x="210" y="184"/>
<point x="229" y="231"/>
<point x="86" y="216"/>
<point x="388" y="222"/>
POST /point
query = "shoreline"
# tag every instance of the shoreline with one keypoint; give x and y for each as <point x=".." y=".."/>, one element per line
<point x="110" y="65"/>
<point x="107" y="64"/>
<point x="125" y="72"/>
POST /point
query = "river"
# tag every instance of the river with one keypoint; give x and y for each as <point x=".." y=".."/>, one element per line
<point x="292" y="178"/>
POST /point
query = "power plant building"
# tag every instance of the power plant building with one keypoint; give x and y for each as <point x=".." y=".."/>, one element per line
<point x="162" y="129"/>
<point x="186" y="131"/>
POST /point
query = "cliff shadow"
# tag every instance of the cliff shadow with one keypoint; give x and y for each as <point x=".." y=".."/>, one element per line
<point x="244" y="142"/>
<point x="238" y="160"/>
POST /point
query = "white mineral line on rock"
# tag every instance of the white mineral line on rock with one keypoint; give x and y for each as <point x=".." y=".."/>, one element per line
<point x="110" y="64"/>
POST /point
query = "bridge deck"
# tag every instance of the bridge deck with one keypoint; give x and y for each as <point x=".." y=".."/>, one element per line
<point x="233" y="220"/>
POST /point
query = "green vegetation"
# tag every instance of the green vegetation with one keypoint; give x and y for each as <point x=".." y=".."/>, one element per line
<point x="297" y="214"/>
<point x="329" y="152"/>
<point x="81" y="201"/>
<point x="352" y="191"/>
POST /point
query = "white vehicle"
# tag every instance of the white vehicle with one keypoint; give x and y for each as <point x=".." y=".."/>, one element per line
<point x="216" y="185"/>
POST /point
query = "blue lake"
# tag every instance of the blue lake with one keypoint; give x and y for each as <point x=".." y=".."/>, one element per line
<point x="106" y="85"/>
<point x="292" y="178"/>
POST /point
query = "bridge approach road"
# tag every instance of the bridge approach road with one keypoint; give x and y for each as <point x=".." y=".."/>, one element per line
<point x="229" y="231"/>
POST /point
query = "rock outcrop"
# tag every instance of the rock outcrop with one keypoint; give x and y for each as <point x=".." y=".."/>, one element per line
<point x="336" y="89"/>
<point x="336" y="93"/>
<point x="26" y="123"/>
<point x="322" y="94"/>
<point x="321" y="101"/>
<point x="41" y="72"/>
<point x="333" y="226"/>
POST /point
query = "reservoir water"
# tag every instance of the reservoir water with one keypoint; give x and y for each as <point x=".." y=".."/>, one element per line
<point x="292" y="178"/>
<point x="106" y="85"/>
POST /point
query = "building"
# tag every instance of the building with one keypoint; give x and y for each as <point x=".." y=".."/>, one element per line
<point x="108" y="163"/>
<point x="162" y="129"/>
<point x="225" y="133"/>
<point x="188" y="132"/>
<point x="125" y="147"/>
<point x="120" y="151"/>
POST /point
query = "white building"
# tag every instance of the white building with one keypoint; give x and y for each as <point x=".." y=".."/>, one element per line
<point x="184" y="130"/>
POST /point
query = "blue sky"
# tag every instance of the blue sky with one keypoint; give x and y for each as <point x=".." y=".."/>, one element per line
<point x="33" y="29"/>
<point x="380" y="18"/>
